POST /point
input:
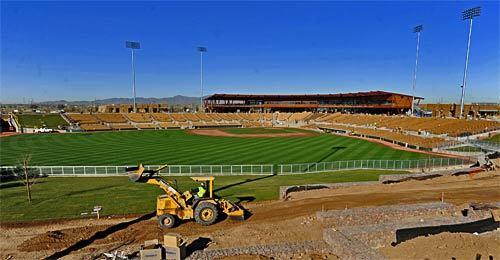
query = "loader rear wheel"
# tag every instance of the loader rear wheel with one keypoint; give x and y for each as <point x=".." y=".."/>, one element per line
<point x="166" y="221"/>
<point x="206" y="213"/>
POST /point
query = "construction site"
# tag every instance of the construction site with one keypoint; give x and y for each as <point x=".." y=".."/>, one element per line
<point x="357" y="186"/>
<point x="445" y="207"/>
<point x="302" y="134"/>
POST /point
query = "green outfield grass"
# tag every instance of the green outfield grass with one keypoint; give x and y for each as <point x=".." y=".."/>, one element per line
<point x="70" y="196"/>
<point x="495" y="138"/>
<point x="178" y="147"/>
<point x="50" y="121"/>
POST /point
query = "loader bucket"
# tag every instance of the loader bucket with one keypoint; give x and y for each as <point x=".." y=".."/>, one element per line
<point x="140" y="174"/>
<point x="495" y="213"/>
<point x="232" y="210"/>
<point x="237" y="215"/>
<point x="135" y="173"/>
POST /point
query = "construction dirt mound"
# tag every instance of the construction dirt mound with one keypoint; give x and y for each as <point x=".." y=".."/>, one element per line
<point x="304" y="256"/>
<point x="96" y="234"/>
<point x="60" y="239"/>
<point x="480" y="187"/>
<point x="448" y="246"/>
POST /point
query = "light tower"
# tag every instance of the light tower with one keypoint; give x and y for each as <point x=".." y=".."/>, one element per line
<point x="417" y="29"/>
<point x="201" y="50"/>
<point x="133" y="46"/>
<point x="468" y="14"/>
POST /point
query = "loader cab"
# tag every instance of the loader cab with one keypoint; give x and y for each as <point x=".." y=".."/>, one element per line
<point x="209" y="182"/>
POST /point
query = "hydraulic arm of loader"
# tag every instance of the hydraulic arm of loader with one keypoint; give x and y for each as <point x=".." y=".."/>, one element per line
<point x="140" y="174"/>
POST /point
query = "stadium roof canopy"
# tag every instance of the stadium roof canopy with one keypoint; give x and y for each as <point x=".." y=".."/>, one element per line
<point x="304" y="96"/>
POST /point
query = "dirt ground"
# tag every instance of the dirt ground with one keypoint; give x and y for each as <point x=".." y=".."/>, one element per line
<point x="304" y="256"/>
<point x="447" y="246"/>
<point x="218" y="132"/>
<point x="271" y="222"/>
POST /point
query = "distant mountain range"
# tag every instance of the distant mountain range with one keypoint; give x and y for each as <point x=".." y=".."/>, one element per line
<point x="175" y="100"/>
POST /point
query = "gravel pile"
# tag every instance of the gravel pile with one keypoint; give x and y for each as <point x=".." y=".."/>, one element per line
<point x="278" y="251"/>
<point x="387" y="214"/>
<point x="392" y="178"/>
<point x="380" y="235"/>
<point x="359" y="231"/>
<point x="348" y="248"/>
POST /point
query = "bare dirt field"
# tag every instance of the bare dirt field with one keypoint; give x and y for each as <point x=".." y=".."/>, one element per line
<point x="218" y="132"/>
<point x="447" y="245"/>
<point x="273" y="222"/>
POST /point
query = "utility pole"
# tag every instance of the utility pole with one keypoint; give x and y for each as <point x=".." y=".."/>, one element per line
<point x="417" y="30"/>
<point x="201" y="50"/>
<point x="468" y="14"/>
<point x="133" y="46"/>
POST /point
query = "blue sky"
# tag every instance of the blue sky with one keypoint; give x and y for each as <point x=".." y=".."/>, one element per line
<point x="75" y="50"/>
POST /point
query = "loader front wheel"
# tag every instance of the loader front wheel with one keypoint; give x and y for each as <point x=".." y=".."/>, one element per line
<point x="166" y="221"/>
<point x="206" y="213"/>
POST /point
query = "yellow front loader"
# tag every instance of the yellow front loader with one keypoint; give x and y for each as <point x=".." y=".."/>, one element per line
<point x="174" y="205"/>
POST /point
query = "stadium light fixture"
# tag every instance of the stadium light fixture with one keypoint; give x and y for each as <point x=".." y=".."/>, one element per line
<point x="201" y="50"/>
<point x="468" y="14"/>
<point x="417" y="29"/>
<point x="133" y="46"/>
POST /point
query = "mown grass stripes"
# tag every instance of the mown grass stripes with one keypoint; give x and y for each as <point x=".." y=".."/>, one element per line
<point x="178" y="147"/>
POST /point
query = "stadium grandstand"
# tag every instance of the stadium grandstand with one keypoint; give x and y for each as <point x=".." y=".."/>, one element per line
<point x="415" y="132"/>
<point x="373" y="102"/>
<point x="453" y="110"/>
<point x="374" y="114"/>
<point x="438" y="126"/>
<point x="424" y="131"/>
<point x="128" y="108"/>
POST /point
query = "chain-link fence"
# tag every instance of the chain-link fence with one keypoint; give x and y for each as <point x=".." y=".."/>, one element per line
<point x="298" y="168"/>
<point x="174" y="170"/>
<point x="486" y="144"/>
<point x="470" y="147"/>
